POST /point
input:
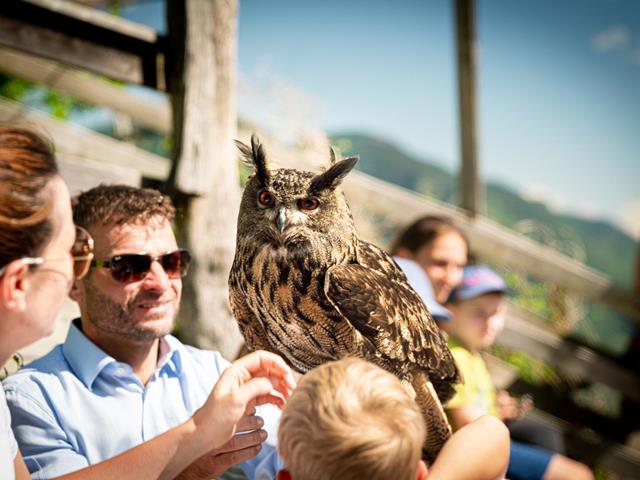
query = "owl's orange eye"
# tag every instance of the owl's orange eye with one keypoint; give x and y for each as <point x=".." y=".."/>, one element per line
<point x="309" y="203"/>
<point x="266" y="199"/>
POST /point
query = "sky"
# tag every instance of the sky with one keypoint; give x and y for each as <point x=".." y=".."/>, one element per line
<point x="558" y="87"/>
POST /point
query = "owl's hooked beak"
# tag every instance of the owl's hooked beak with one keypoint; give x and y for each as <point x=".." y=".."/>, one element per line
<point x="281" y="219"/>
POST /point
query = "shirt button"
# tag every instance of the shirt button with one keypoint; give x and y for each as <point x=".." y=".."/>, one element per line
<point x="120" y="371"/>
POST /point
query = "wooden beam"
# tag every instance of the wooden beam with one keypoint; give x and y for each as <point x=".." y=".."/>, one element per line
<point x="97" y="18"/>
<point x="100" y="3"/>
<point x="153" y="114"/>
<point x="84" y="37"/>
<point x="78" y="143"/>
<point x="82" y="174"/>
<point x="471" y="192"/>
<point x="60" y="47"/>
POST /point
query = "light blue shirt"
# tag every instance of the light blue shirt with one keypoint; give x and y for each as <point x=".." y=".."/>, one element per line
<point x="77" y="406"/>
<point x="8" y="445"/>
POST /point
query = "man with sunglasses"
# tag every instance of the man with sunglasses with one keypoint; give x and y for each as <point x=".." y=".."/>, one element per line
<point x="120" y="378"/>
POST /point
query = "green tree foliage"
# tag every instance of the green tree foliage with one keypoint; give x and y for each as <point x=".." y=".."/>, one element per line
<point x="40" y="97"/>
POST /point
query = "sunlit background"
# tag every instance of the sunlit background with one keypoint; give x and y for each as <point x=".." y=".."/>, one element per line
<point x="558" y="92"/>
<point x="558" y="87"/>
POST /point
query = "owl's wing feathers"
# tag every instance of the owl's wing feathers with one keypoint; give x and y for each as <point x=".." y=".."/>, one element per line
<point x="375" y="297"/>
<point x="377" y="259"/>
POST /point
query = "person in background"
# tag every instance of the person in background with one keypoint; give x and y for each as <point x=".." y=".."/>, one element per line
<point x="350" y="420"/>
<point x="438" y="246"/>
<point x="42" y="254"/>
<point x="478" y="307"/>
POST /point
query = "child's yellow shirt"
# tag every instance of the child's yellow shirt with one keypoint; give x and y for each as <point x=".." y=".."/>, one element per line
<point x="477" y="390"/>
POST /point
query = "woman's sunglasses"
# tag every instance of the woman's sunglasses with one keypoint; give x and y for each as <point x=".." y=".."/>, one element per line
<point x="81" y="253"/>
<point x="133" y="267"/>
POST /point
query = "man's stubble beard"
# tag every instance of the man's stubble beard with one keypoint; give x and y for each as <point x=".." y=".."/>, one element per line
<point x="111" y="317"/>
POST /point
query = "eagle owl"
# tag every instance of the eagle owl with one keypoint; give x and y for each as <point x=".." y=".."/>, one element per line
<point x="303" y="285"/>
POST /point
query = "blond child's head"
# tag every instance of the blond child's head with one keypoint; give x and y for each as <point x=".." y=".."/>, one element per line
<point x="478" y="307"/>
<point x="351" y="420"/>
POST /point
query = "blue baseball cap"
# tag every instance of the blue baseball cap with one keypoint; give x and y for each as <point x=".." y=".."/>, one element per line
<point x="420" y="282"/>
<point x="478" y="280"/>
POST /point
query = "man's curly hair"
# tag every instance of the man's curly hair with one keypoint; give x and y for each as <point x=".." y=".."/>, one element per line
<point x="120" y="204"/>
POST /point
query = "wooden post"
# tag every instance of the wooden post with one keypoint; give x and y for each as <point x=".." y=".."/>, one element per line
<point x="204" y="179"/>
<point x="471" y="195"/>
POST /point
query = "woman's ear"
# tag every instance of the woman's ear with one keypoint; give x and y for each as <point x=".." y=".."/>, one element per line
<point x="422" y="471"/>
<point x="14" y="285"/>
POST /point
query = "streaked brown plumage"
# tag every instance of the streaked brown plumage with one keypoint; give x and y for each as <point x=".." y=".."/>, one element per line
<point x="305" y="286"/>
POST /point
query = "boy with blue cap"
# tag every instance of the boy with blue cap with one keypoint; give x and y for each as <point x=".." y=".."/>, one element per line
<point x="478" y="307"/>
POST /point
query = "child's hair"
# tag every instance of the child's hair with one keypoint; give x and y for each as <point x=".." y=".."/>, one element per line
<point x="351" y="420"/>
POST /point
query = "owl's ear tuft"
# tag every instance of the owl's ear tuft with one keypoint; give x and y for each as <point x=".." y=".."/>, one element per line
<point x="245" y="151"/>
<point x="334" y="175"/>
<point x="332" y="156"/>
<point x="255" y="157"/>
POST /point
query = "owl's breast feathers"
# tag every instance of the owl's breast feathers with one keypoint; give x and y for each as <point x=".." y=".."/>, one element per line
<point x="278" y="300"/>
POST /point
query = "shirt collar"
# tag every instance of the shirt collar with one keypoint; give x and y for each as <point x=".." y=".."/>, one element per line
<point x="85" y="358"/>
<point x="170" y="353"/>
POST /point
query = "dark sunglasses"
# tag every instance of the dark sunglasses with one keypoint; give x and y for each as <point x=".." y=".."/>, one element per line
<point x="133" y="267"/>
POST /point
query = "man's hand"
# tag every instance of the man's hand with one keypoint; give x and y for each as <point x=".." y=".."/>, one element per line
<point x="256" y="379"/>
<point x="241" y="447"/>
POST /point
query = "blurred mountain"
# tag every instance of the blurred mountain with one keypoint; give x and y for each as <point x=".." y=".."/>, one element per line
<point x="596" y="243"/>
